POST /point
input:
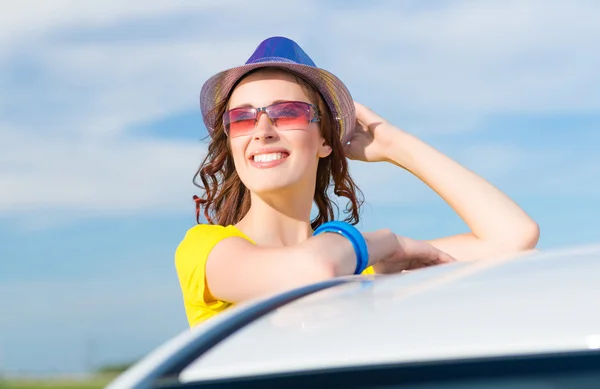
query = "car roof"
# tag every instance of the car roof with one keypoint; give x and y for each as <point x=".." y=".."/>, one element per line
<point x="532" y="303"/>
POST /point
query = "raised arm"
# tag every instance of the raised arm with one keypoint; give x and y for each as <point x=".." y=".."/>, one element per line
<point x="497" y="224"/>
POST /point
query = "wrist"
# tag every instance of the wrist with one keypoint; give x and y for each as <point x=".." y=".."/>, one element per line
<point x="354" y="237"/>
<point x="401" y="148"/>
<point x="382" y="244"/>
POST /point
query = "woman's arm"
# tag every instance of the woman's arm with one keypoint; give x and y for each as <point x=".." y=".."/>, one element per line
<point x="498" y="225"/>
<point x="237" y="270"/>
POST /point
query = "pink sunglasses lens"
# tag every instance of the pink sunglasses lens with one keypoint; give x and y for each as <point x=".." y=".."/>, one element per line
<point x="290" y="115"/>
<point x="240" y="121"/>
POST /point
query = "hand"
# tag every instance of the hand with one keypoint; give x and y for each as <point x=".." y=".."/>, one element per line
<point x="372" y="136"/>
<point x="411" y="254"/>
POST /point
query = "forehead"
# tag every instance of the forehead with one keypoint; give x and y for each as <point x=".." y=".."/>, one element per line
<point x="266" y="86"/>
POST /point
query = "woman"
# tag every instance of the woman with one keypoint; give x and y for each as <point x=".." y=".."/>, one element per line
<point x="281" y="130"/>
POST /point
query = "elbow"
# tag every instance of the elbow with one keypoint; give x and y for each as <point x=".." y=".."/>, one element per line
<point x="525" y="237"/>
<point x="519" y="239"/>
<point x="532" y="235"/>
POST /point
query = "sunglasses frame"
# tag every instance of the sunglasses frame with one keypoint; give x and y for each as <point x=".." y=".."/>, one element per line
<point x="315" y="113"/>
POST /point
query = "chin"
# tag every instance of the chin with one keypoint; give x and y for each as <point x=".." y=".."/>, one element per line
<point x="270" y="186"/>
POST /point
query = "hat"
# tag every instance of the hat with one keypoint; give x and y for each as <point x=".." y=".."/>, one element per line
<point x="284" y="53"/>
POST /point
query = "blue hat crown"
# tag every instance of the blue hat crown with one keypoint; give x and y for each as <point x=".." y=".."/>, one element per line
<point x="280" y="49"/>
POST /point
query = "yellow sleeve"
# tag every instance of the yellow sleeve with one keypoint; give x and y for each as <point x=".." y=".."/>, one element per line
<point x="190" y="263"/>
<point x="368" y="270"/>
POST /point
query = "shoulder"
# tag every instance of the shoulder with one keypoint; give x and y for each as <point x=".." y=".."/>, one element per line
<point x="206" y="232"/>
<point x="190" y="263"/>
<point x="192" y="253"/>
<point x="200" y="239"/>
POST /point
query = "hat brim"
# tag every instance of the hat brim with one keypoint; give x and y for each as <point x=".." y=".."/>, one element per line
<point x="334" y="92"/>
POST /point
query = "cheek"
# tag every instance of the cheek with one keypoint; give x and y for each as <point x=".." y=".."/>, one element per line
<point x="305" y="143"/>
<point x="238" y="154"/>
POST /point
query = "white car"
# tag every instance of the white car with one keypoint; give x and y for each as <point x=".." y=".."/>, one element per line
<point x="529" y="321"/>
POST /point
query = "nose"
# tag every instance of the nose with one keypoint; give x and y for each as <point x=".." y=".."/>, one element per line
<point x="264" y="127"/>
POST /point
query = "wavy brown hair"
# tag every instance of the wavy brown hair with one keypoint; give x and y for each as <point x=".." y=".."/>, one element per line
<point x="226" y="199"/>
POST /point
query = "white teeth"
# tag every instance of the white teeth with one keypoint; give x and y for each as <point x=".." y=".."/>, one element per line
<point x="267" y="157"/>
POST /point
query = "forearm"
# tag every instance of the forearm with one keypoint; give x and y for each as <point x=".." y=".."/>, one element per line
<point x="490" y="214"/>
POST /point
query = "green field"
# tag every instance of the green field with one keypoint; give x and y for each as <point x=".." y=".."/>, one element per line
<point x="95" y="383"/>
<point x="99" y="379"/>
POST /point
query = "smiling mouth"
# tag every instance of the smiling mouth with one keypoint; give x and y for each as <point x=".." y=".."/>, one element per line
<point x="268" y="157"/>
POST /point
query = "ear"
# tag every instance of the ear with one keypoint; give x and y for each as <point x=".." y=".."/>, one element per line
<point x="324" y="150"/>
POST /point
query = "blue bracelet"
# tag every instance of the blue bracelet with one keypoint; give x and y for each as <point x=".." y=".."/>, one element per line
<point x="354" y="236"/>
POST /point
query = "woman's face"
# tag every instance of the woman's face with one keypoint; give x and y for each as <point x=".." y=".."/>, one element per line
<point x="270" y="159"/>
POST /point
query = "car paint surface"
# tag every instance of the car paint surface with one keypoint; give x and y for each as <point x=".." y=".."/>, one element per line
<point x="533" y="303"/>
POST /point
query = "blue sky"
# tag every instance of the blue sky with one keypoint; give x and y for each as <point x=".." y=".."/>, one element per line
<point x="100" y="135"/>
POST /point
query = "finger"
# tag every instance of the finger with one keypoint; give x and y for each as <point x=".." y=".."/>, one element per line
<point x="438" y="257"/>
<point x="359" y="126"/>
<point x="446" y="258"/>
<point x="425" y="260"/>
<point x="364" y="114"/>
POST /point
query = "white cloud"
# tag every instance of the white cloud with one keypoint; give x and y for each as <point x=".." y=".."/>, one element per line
<point x="93" y="174"/>
<point x="31" y="18"/>
<point x="451" y="66"/>
<point x="475" y="57"/>
<point x="101" y="89"/>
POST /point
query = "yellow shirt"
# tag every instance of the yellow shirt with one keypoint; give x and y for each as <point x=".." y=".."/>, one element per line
<point x="190" y="263"/>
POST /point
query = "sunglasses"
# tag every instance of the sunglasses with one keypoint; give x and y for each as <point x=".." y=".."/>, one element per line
<point x="286" y="115"/>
